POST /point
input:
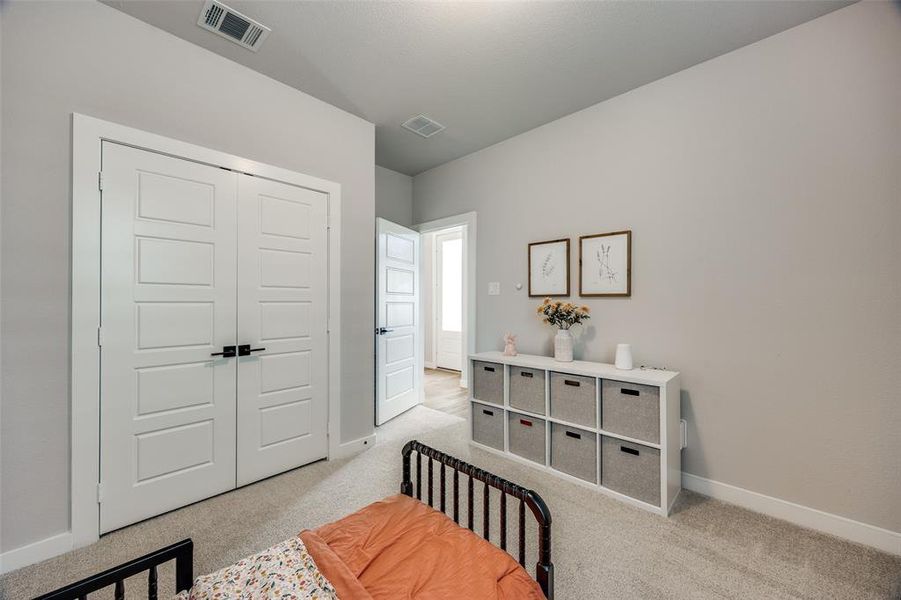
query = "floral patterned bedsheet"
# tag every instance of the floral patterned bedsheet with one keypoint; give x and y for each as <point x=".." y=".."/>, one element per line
<point x="285" y="571"/>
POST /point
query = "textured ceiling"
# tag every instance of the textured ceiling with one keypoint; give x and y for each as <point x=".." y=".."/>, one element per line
<point x="486" y="70"/>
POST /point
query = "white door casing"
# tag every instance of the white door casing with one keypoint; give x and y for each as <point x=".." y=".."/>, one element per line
<point x="398" y="343"/>
<point x="168" y="303"/>
<point x="448" y="282"/>
<point x="283" y="316"/>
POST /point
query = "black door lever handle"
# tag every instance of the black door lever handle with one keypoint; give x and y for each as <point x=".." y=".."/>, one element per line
<point x="227" y="352"/>
<point x="245" y="350"/>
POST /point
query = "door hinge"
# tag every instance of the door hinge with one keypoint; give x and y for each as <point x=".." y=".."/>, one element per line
<point x="100" y="180"/>
<point x="99" y="493"/>
<point x="100" y="337"/>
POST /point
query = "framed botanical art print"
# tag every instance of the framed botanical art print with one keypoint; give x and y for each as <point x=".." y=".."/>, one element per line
<point x="605" y="264"/>
<point x="549" y="268"/>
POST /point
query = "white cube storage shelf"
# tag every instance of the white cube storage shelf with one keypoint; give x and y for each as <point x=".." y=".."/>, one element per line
<point x="615" y="431"/>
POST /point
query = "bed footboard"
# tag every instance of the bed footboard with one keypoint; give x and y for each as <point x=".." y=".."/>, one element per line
<point x="182" y="552"/>
<point x="544" y="570"/>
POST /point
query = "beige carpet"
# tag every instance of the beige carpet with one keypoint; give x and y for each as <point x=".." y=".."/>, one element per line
<point x="602" y="548"/>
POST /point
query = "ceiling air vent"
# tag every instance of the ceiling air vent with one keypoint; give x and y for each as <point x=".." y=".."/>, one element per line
<point x="422" y="125"/>
<point x="232" y="25"/>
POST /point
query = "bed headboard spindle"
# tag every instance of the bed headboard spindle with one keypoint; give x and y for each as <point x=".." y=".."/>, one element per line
<point x="182" y="552"/>
<point x="544" y="569"/>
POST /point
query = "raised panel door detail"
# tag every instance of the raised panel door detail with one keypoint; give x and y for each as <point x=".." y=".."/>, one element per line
<point x="174" y="449"/>
<point x="399" y="314"/>
<point x="399" y="281"/>
<point x="165" y="198"/>
<point x="285" y="371"/>
<point x="284" y="269"/>
<point x="285" y="320"/>
<point x="285" y="422"/>
<point x="399" y="348"/>
<point x="285" y="218"/>
<point x="174" y="324"/>
<point x="399" y="248"/>
<point x="174" y="262"/>
<point x="399" y="382"/>
<point x="172" y="387"/>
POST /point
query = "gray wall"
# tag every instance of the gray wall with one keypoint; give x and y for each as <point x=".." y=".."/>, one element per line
<point x="763" y="189"/>
<point x="89" y="58"/>
<point x="393" y="196"/>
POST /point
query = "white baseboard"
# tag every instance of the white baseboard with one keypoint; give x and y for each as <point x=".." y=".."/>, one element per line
<point x="348" y="449"/>
<point x="855" y="531"/>
<point x="35" y="552"/>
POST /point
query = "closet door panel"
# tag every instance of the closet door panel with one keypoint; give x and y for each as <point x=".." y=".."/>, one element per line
<point x="283" y="317"/>
<point x="168" y="302"/>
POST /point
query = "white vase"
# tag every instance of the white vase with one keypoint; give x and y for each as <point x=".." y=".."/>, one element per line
<point x="563" y="346"/>
<point x="624" y="357"/>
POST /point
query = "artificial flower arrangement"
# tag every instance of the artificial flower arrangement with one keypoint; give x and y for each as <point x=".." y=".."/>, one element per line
<point x="563" y="314"/>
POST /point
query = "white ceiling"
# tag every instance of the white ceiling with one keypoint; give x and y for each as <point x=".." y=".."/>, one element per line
<point x="486" y="70"/>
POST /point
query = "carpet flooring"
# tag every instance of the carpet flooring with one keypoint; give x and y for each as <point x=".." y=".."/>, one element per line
<point x="602" y="548"/>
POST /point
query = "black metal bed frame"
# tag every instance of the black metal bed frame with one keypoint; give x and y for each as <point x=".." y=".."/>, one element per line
<point x="544" y="569"/>
<point x="182" y="552"/>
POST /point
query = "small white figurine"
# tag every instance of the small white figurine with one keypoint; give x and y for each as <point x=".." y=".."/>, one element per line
<point x="509" y="344"/>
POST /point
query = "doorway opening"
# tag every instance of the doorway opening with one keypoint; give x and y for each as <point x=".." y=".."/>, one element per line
<point x="425" y="315"/>
<point x="444" y="307"/>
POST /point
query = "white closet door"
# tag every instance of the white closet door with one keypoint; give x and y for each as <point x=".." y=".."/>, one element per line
<point x="168" y="302"/>
<point x="283" y="317"/>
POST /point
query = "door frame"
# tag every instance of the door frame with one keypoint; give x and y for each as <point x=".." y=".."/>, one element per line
<point x="468" y="222"/>
<point x="88" y="134"/>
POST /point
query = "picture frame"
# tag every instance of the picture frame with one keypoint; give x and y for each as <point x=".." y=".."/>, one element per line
<point x="549" y="268"/>
<point x="605" y="264"/>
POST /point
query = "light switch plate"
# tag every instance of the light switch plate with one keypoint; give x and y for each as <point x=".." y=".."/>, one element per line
<point x="494" y="288"/>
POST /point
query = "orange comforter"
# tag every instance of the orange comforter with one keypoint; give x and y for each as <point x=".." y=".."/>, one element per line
<point x="399" y="549"/>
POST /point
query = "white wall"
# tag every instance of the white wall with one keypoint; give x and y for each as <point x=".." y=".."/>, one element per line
<point x="393" y="196"/>
<point x="66" y="57"/>
<point x="763" y="189"/>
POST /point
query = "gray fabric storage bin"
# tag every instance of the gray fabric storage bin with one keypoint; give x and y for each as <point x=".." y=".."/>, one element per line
<point x="631" y="409"/>
<point x="488" y="425"/>
<point x="488" y="382"/>
<point x="527" y="389"/>
<point x="575" y="452"/>
<point x="574" y="399"/>
<point x="526" y="436"/>
<point x="631" y="469"/>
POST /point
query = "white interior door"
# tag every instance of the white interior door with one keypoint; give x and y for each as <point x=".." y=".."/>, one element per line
<point x="167" y="406"/>
<point x="448" y="299"/>
<point x="283" y="318"/>
<point x="398" y="344"/>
